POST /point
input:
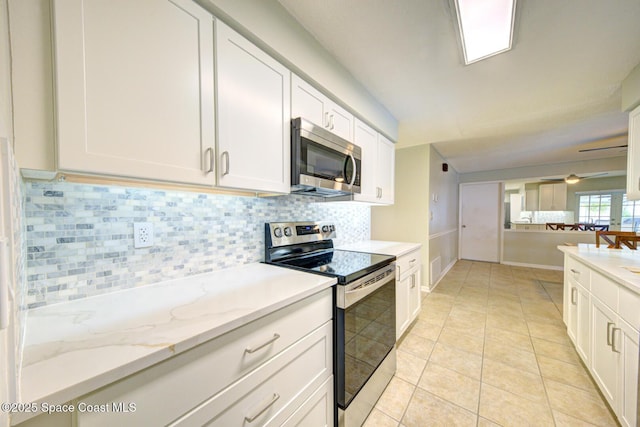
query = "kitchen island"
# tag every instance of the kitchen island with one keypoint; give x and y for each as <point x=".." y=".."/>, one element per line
<point x="601" y="308"/>
<point x="537" y="247"/>
<point x="72" y="349"/>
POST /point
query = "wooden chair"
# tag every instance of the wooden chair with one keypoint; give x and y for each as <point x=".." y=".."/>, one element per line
<point x="612" y="238"/>
<point x="629" y="241"/>
<point x="554" y="226"/>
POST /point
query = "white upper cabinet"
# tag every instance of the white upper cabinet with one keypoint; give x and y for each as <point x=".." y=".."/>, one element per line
<point x="553" y="197"/>
<point x="309" y="103"/>
<point x="134" y="85"/>
<point x="386" y="170"/>
<point x="367" y="139"/>
<point x="253" y="116"/>
<point x="633" y="156"/>
<point x="378" y="159"/>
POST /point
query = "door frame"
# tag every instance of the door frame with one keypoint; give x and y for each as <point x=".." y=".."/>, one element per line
<point x="499" y="219"/>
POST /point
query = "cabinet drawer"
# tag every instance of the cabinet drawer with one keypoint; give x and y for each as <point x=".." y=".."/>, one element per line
<point x="629" y="307"/>
<point x="579" y="272"/>
<point x="318" y="410"/>
<point x="605" y="290"/>
<point x="272" y="393"/>
<point x="171" y="388"/>
<point x="407" y="263"/>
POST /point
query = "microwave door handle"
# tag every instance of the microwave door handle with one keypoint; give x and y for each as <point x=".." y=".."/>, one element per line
<point x="355" y="172"/>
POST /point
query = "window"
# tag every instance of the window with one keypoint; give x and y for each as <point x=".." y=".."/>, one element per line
<point x="595" y="209"/>
<point x="630" y="218"/>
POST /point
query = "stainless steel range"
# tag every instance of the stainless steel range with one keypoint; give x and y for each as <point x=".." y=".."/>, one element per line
<point x="364" y="314"/>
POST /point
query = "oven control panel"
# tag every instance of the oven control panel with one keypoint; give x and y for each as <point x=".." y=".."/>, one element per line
<point x="289" y="233"/>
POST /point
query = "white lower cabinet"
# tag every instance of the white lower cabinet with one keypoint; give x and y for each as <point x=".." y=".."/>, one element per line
<point x="271" y="393"/>
<point x="317" y="410"/>
<point x="408" y="297"/>
<point x="604" y="364"/>
<point x="628" y="388"/>
<point x="579" y="319"/>
<point x="603" y="321"/>
<point x="275" y="370"/>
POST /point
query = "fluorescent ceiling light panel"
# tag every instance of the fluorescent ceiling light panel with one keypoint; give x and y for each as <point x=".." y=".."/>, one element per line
<point x="486" y="27"/>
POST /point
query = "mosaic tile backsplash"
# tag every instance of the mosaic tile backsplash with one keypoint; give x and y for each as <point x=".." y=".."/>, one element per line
<point x="80" y="237"/>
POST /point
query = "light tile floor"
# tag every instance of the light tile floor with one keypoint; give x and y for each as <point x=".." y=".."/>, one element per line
<point x="490" y="348"/>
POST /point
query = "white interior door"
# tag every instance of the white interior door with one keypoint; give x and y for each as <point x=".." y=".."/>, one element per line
<point x="480" y="206"/>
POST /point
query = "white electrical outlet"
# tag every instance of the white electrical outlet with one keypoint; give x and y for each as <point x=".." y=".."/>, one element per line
<point x="142" y="235"/>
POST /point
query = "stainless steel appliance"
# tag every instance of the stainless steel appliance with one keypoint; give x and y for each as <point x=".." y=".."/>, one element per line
<point x="323" y="164"/>
<point x="364" y="314"/>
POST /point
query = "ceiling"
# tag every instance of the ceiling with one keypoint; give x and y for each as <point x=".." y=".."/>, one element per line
<point x="557" y="90"/>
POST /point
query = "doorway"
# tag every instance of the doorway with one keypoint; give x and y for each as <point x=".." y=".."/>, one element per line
<point x="480" y="221"/>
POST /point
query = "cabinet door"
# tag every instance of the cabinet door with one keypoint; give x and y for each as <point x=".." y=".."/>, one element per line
<point x="415" y="296"/>
<point x="318" y="410"/>
<point x="626" y="341"/>
<point x="367" y="139"/>
<point x="531" y="200"/>
<point x="134" y="88"/>
<point x="559" y="197"/>
<point x="604" y="362"/>
<point x="253" y="116"/>
<point x="402" y="305"/>
<point x="546" y="197"/>
<point x="633" y="156"/>
<point x="572" y="313"/>
<point x="341" y="121"/>
<point x="307" y="102"/>
<point x="583" y="333"/>
<point x="386" y="169"/>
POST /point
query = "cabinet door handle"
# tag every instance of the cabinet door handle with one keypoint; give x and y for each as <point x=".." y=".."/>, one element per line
<point x="264" y="344"/>
<point x="575" y="271"/>
<point x="332" y="122"/>
<point x="211" y="159"/>
<point x="574" y="296"/>
<point x="413" y="261"/>
<point x="609" y="334"/>
<point x="413" y="281"/>
<point x="225" y="157"/>
<point x="613" y="339"/>
<point x="263" y="407"/>
<point x="327" y="122"/>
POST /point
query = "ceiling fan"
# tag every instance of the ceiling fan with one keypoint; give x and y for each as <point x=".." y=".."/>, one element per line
<point x="585" y="150"/>
<point x="573" y="178"/>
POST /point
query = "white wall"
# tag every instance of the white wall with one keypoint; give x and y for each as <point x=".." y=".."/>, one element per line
<point x="443" y="226"/>
<point x="407" y="220"/>
<point x="416" y="216"/>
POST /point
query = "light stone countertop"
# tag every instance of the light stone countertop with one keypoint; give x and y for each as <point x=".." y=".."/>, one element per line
<point x="381" y="247"/>
<point x="76" y="347"/>
<point x="610" y="262"/>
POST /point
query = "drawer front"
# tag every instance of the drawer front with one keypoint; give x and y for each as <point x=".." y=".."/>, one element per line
<point x="317" y="410"/>
<point x="171" y="388"/>
<point x="629" y="307"/>
<point x="407" y="263"/>
<point x="579" y="272"/>
<point x="605" y="290"/>
<point x="272" y="393"/>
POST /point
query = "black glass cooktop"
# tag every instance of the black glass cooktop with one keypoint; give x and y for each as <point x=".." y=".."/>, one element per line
<point x="346" y="266"/>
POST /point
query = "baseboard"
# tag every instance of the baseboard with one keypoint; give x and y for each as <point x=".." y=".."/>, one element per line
<point x="524" y="264"/>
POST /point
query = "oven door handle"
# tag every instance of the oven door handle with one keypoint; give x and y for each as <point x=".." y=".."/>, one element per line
<point x="346" y="298"/>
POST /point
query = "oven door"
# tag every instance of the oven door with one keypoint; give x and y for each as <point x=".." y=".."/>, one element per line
<point x="323" y="160"/>
<point x="365" y="331"/>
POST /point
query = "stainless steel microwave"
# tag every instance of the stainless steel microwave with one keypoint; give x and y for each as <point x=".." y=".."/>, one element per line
<point x="323" y="164"/>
